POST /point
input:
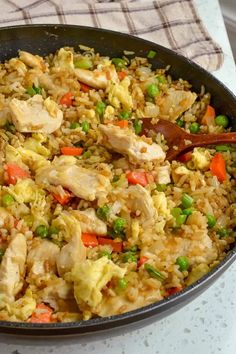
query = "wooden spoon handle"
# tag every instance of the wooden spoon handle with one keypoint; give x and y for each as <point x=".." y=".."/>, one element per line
<point x="208" y="139"/>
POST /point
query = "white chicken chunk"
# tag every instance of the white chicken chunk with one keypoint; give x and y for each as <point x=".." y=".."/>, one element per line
<point x="89" y="222"/>
<point x="175" y="103"/>
<point x="140" y="200"/>
<point x="12" y="268"/>
<point x="42" y="257"/>
<point x="127" y="143"/>
<point x="33" y="61"/>
<point x="98" y="79"/>
<point x="74" y="251"/>
<point x="82" y="182"/>
<point x="35" y="115"/>
<point x="163" y="174"/>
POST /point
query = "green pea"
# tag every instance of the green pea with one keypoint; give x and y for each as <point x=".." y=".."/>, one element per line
<point x="161" y="79"/>
<point x="183" y="263"/>
<point x="74" y="125"/>
<point x="85" y="126"/>
<point x="137" y="124"/>
<point x="83" y="63"/>
<point x="42" y="231"/>
<point x="31" y="91"/>
<point x="153" y="272"/>
<point x="115" y="179"/>
<point x="7" y="200"/>
<point x="194" y="128"/>
<point x="175" y="212"/>
<point x="119" y="225"/>
<point x="151" y="54"/>
<point x="153" y="90"/>
<point x="187" y="201"/>
<point x="100" y="108"/>
<point x="38" y="90"/>
<point x="180" y="122"/>
<point x="124" y="115"/>
<point x="53" y="230"/>
<point x="10" y="127"/>
<point x="122" y="284"/>
<point x="223" y="232"/>
<point x="2" y="251"/>
<point x="105" y="254"/>
<point x="187" y="211"/>
<point x="180" y="220"/>
<point x="87" y="154"/>
<point x="119" y="63"/>
<point x="223" y="148"/>
<point x="160" y="187"/>
<point x="211" y="221"/>
<point x="222" y="121"/>
<point x="129" y="257"/>
<point x="103" y="212"/>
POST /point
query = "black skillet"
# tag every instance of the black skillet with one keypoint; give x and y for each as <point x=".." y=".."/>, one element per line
<point x="45" y="39"/>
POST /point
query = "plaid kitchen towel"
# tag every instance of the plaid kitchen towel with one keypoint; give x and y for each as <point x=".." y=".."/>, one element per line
<point x="172" y="23"/>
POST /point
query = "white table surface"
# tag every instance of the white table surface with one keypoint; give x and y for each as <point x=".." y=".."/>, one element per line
<point x="208" y="324"/>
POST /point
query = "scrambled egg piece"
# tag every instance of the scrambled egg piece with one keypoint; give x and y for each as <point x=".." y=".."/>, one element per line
<point x="25" y="191"/>
<point x="35" y="144"/>
<point x="35" y="115"/>
<point x="160" y="203"/>
<point x="64" y="59"/>
<point x="90" y="277"/>
<point x="201" y="158"/>
<point x="22" y="308"/>
<point x="118" y="94"/>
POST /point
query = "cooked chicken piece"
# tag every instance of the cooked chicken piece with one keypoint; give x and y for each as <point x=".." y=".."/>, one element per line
<point x="140" y="200"/>
<point x="89" y="222"/>
<point x="35" y="115"/>
<point x="82" y="182"/>
<point x="58" y="294"/>
<point x="98" y="79"/>
<point x="163" y="175"/>
<point x="34" y="61"/>
<point x="74" y="251"/>
<point x="42" y="257"/>
<point x="126" y="142"/>
<point x="175" y="103"/>
<point x="4" y="215"/>
<point x="12" y="268"/>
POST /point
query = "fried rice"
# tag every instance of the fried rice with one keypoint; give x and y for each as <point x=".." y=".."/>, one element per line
<point x="94" y="221"/>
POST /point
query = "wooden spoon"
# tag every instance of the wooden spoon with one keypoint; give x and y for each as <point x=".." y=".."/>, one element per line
<point x="176" y="137"/>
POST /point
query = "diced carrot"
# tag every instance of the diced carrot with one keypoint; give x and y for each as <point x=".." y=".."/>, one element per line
<point x="63" y="200"/>
<point x="15" y="172"/>
<point x="84" y="87"/>
<point x="42" y="314"/>
<point x="117" y="246"/>
<point x="67" y="99"/>
<point x="185" y="157"/>
<point x="172" y="291"/>
<point x="209" y="116"/>
<point x="122" y="123"/>
<point x="137" y="178"/>
<point x="71" y="151"/>
<point x="142" y="260"/>
<point x="218" y="167"/>
<point x="122" y="75"/>
<point x="89" y="240"/>
<point x="108" y="75"/>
